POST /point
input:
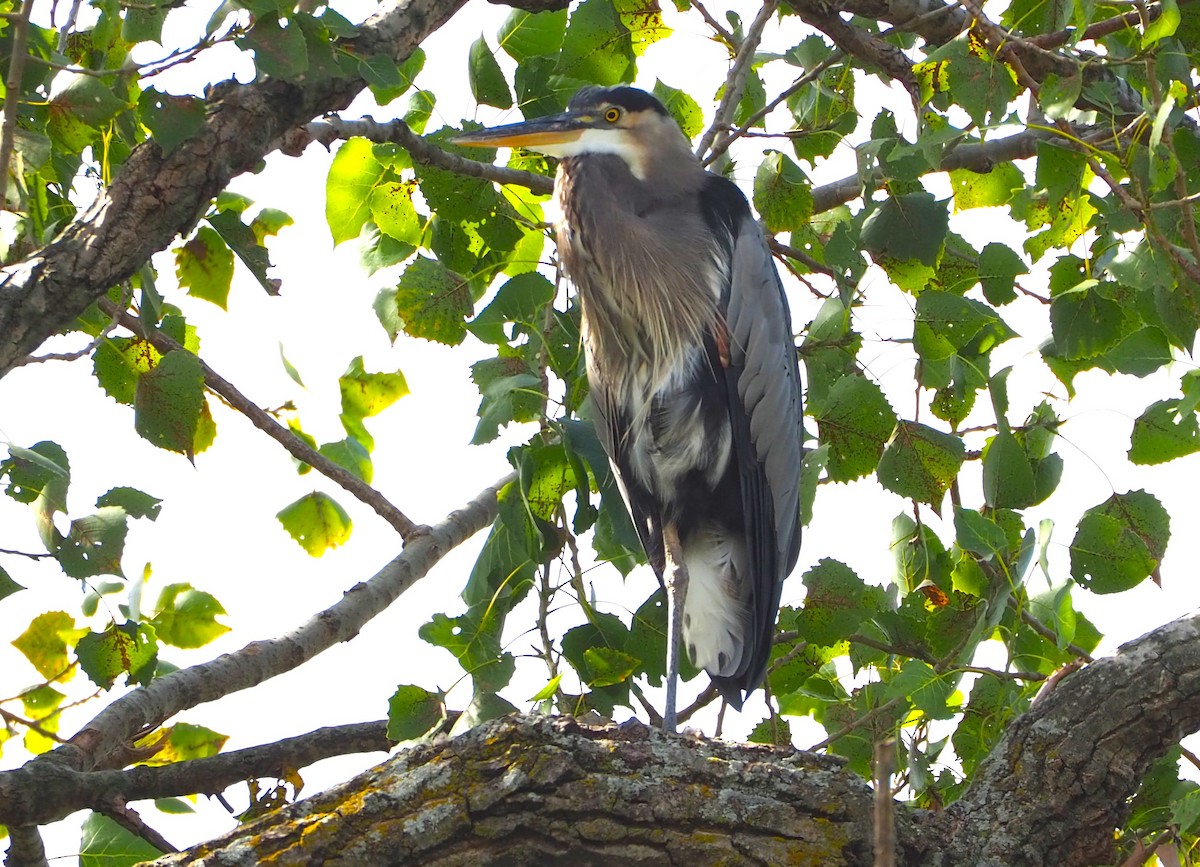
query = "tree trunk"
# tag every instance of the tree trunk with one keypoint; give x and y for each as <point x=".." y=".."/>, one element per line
<point x="543" y="790"/>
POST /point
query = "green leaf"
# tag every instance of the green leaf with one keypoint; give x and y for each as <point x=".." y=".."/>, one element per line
<point x="521" y="301"/>
<point x="855" y="421"/>
<point x="474" y="640"/>
<point x="981" y="85"/>
<point x="137" y="504"/>
<point x="187" y="617"/>
<point x="685" y="110"/>
<point x="351" y="455"/>
<point x="89" y="98"/>
<point x="316" y="522"/>
<point x="279" y="51"/>
<point x="488" y="85"/>
<point x="928" y="690"/>
<point x="169" y="401"/>
<point x="366" y="394"/>
<point x="510" y="391"/>
<point x="999" y="266"/>
<point x="1163" y="433"/>
<point x="609" y="666"/>
<point x="596" y="46"/>
<point x="992" y="189"/>
<point x="94" y="544"/>
<point x="106" y="844"/>
<point x="353" y="175"/>
<point x="44" y="643"/>
<point x="836" y="603"/>
<point x="204" y="266"/>
<point x="978" y="533"/>
<point x="920" y="462"/>
<point x="782" y="194"/>
<point x="1008" y="478"/>
<point x="123" y="648"/>
<point x="393" y="212"/>
<point x="41" y="470"/>
<point x="911" y="226"/>
<point x="525" y="35"/>
<point x="1164" y="25"/>
<point x="433" y="301"/>
<point x="1085" y="323"/>
<point x="413" y="712"/>
<point x="1120" y="542"/>
<point x="548" y="691"/>
<point x="170" y="119"/>
<point x="7" y="585"/>
<point x="1059" y="95"/>
<point x="247" y="243"/>
<point x="182" y="742"/>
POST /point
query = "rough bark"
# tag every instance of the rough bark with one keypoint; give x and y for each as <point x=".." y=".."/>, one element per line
<point x="156" y="196"/>
<point x="540" y="790"/>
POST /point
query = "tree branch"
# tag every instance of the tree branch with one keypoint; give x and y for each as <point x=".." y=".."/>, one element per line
<point x="156" y="196"/>
<point x="12" y="87"/>
<point x="295" y="446"/>
<point x="398" y="132"/>
<point x="34" y="793"/>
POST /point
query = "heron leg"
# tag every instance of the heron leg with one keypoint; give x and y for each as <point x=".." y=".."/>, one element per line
<point x="676" y="581"/>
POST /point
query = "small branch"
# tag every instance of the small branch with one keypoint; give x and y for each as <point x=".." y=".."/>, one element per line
<point x="807" y="78"/>
<point x="116" y="809"/>
<point x="295" y="446"/>
<point x="25" y="847"/>
<point x="885" y="808"/>
<point x="25" y="554"/>
<point x="37" y="793"/>
<point x="398" y="132"/>
<point x="712" y="22"/>
<point x="64" y="33"/>
<point x="87" y="350"/>
<point x="12" y="88"/>
<point x="735" y="81"/>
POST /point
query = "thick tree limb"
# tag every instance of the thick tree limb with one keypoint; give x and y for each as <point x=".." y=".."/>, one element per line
<point x="41" y="790"/>
<point x="157" y="196"/>
<point x="554" y="790"/>
<point x="1074" y="758"/>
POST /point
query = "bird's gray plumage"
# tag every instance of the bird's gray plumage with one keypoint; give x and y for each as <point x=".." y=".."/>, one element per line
<point x="692" y="368"/>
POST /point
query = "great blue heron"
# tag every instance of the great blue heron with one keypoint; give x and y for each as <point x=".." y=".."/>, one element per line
<point x="692" y="368"/>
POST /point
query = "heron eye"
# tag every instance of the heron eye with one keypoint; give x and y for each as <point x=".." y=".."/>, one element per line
<point x="612" y="115"/>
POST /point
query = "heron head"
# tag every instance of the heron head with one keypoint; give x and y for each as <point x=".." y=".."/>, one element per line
<point x="623" y="121"/>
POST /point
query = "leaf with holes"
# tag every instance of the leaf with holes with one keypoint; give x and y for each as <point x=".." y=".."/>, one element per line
<point x="316" y="522"/>
<point x="1120" y="543"/>
<point x="920" y="462"/>
<point x="124" y="648"/>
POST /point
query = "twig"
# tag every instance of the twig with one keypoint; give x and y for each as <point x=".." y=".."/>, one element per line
<point x="735" y="81"/>
<point x="807" y="78"/>
<point x="884" y="825"/>
<point x="12" y="92"/>
<point x="64" y="33"/>
<point x="295" y="446"/>
<point x="32" y="725"/>
<point x="24" y="554"/>
<point x="116" y="809"/>
<point x="78" y="353"/>
<point x="332" y="129"/>
<point x="1046" y="632"/>
<point x="712" y="22"/>
<point x="858" y="723"/>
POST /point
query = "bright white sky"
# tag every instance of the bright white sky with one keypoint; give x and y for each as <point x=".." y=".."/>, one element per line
<point x="218" y="531"/>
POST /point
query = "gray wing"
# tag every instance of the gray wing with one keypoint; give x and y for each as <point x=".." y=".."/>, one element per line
<point x="765" y="408"/>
